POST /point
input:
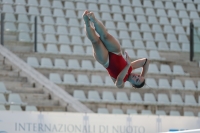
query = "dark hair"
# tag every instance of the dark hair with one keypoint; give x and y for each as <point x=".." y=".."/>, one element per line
<point x="139" y="86"/>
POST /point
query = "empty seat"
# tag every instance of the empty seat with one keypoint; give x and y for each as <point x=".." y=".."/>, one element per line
<point x="32" y="61"/>
<point x="139" y="44"/>
<point x="73" y="64"/>
<point x="136" y="35"/>
<point x="32" y="3"/>
<point x="160" y="37"/>
<point x="152" y="20"/>
<point x="20" y="9"/>
<point x="188" y="113"/>
<point x="96" y="80"/>
<point x="118" y="17"/>
<point x="164" y="84"/>
<point x="168" y="29"/>
<point x="129" y="18"/>
<point x="153" y="54"/>
<point x="146" y="112"/>
<point x="55" y="77"/>
<point x="150" y="11"/>
<point x="79" y="94"/>
<point x="160" y="112"/>
<point x="151" y="83"/>
<point x="75" y="31"/>
<point x="163" y="46"/>
<point x="45" y="3"/>
<point x="48" y="28"/>
<point x="15" y="108"/>
<point x="174" y="113"/>
<point x="121" y="26"/>
<point x="7" y="1"/>
<point x="176" y="99"/>
<point x="58" y="13"/>
<point x="116" y="9"/>
<point x="46" y="11"/>
<point x="161" y="12"/>
<point x="23" y="27"/>
<point x="139" y="10"/>
<point x="117" y="111"/>
<point x="9" y="17"/>
<point x="148" y="36"/>
<point x="7" y="8"/>
<point x="131" y="111"/>
<point x="185" y="47"/>
<point x="60" y="64"/>
<point x="153" y="69"/>
<point x="10" y="26"/>
<point x="109" y="81"/>
<point x="190" y="100"/>
<point x="69" y="5"/>
<point x="121" y="97"/>
<point x="50" y="38"/>
<point x="24" y="37"/>
<point x="63" y="39"/>
<point x="189" y="85"/>
<point x="14" y="98"/>
<point x="151" y="45"/>
<point x="69" y="79"/>
<point x="102" y="111"/>
<point x="93" y="96"/>
<point x="149" y="98"/>
<point x="178" y="70"/>
<point x="2" y="108"/>
<point x="57" y="4"/>
<point x="40" y="48"/>
<point x="176" y="84"/>
<point x="3" y="99"/>
<point x="71" y="14"/>
<point x="165" y="69"/>
<point x="135" y="98"/>
<point x="172" y="13"/>
<point x="124" y="35"/>
<point x="83" y="80"/>
<point x="61" y="21"/>
<point x="163" y="99"/>
<point x="142" y="54"/>
<point x="86" y="65"/>
<point x="93" y="7"/>
<point x="33" y="10"/>
<point x="78" y="50"/>
<point x="106" y="16"/>
<point x="164" y="21"/>
<point x="80" y="6"/>
<point x="46" y="63"/>
<point x="127" y="9"/>
<point x="52" y="48"/>
<point x="76" y="40"/>
<point x="108" y="97"/>
<point x="175" y="47"/>
<point x="98" y="66"/>
<point x="62" y="30"/>
<point x="126" y="43"/>
<point x="31" y="108"/>
<point x="89" y="51"/>
<point x="65" y="49"/>
<point x="73" y="22"/>
<point x="130" y="52"/>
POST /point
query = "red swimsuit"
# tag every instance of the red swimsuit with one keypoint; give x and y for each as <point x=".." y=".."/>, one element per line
<point x="116" y="65"/>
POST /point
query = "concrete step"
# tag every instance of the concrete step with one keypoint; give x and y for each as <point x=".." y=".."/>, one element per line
<point x="17" y="46"/>
<point x="33" y="96"/>
<point x="52" y="108"/>
<point x="27" y="90"/>
<point x="42" y="102"/>
<point x="14" y="78"/>
<point x="10" y="85"/>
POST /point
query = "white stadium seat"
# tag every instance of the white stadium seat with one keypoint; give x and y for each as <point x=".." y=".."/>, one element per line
<point x="14" y="98"/>
<point x="79" y="94"/>
<point x="102" y="111"/>
<point x="163" y="99"/>
<point x="160" y="112"/>
<point x="55" y="77"/>
<point x="32" y="61"/>
<point x="96" y="80"/>
<point x="164" y="84"/>
<point x="31" y="108"/>
<point x="176" y="99"/>
<point x="60" y="64"/>
<point x="149" y="98"/>
<point x="108" y="97"/>
<point x="174" y="113"/>
<point x="69" y="79"/>
<point x="146" y="112"/>
<point x="46" y="63"/>
<point x="117" y="111"/>
<point x="121" y="97"/>
<point x="83" y="80"/>
<point x="15" y="108"/>
<point x="93" y="96"/>
<point x="86" y="65"/>
<point x="135" y="97"/>
<point x="176" y="84"/>
<point x="151" y="83"/>
<point x="190" y="100"/>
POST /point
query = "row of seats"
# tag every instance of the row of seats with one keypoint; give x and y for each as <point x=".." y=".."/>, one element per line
<point x="98" y="81"/>
<point x="135" y="98"/>
<point x="88" y="65"/>
<point x="49" y="22"/>
<point x="144" y="112"/>
<point x="79" y="50"/>
<point x="128" y="45"/>
<point x="69" y="4"/>
<point x="18" y="108"/>
<point x="147" y="36"/>
<point x="13" y="98"/>
<point x="117" y="17"/>
<point x="105" y="8"/>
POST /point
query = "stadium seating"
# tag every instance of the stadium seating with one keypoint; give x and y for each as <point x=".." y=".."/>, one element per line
<point x="157" y="30"/>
